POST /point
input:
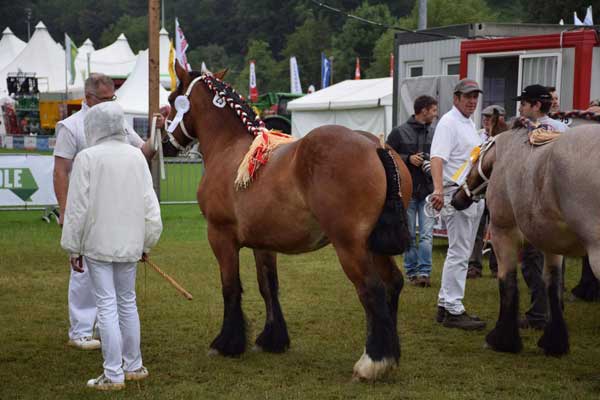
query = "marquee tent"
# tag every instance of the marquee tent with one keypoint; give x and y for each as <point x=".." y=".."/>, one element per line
<point x="116" y="60"/>
<point x="357" y="104"/>
<point x="133" y="95"/>
<point x="44" y="57"/>
<point x="81" y="64"/>
<point x="164" y="42"/>
<point x="10" y="47"/>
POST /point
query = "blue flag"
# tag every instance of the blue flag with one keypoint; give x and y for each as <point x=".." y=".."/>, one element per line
<point x="325" y="71"/>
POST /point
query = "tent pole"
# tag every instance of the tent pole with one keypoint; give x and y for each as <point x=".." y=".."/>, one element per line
<point x="154" y="77"/>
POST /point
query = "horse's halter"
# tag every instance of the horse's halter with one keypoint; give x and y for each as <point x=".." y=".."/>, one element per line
<point x="479" y="192"/>
<point x="182" y="106"/>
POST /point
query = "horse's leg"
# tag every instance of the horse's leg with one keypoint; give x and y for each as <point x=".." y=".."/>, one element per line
<point x="505" y="335"/>
<point x="555" y="340"/>
<point x="394" y="282"/>
<point x="231" y="341"/>
<point x="382" y="336"/>
<point x="274" y="337"/>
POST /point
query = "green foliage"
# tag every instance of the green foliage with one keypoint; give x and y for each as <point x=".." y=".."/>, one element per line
<point x="358" y="40"/>
<point x="307" y="43"/>
<point x="380" y="67"/>
<point x="269" y="73"/>
<point x="551" y="11"/>
<point x="214" y="56"/>
<point x="452" y="12"/>
<point x="134" y="28"/>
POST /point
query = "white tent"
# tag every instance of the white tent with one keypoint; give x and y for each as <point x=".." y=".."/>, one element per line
<point x="44" y="57"/>
<point x="356" y="104"/>
<point x="81" y="61"/>
<point x="165" y="78"/>
<point x="133" y="95"/>
<point x="116" y="60"/>
<point x="10" y="47"/>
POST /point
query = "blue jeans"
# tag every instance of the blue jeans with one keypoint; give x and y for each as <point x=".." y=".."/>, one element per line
<point x="417" y="259"/>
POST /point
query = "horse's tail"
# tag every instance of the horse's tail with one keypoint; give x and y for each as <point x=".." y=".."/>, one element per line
<point x="390" y="235"/>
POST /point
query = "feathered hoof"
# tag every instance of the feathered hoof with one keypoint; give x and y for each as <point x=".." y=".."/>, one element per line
<point x="366" y="369"/>
<point x="213" y="353"/>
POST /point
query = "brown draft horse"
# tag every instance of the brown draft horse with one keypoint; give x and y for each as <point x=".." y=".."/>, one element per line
<point x="329" y="187"/>
<point x="548" y="195"/>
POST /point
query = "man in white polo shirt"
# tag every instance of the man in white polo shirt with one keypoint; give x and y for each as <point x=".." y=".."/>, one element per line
<point x="454" y="139"/>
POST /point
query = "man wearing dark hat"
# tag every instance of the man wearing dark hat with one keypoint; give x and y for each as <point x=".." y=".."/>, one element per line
<point x="535" y="105"/>
<point x="454" y="139"/>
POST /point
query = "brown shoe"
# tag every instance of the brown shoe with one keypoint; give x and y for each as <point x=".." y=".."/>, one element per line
<point x="440" y="315"/>
<point x="463" y="321"/>
<point x="425" y="281"/>
<point x="414" y="280"/>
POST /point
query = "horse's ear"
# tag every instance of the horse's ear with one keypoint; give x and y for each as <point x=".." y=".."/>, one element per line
<point x="221" y="74"/>
<point x="181" y="72"/>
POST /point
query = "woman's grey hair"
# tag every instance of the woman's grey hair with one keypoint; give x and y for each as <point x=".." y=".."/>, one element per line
<point x="95" y="80"/>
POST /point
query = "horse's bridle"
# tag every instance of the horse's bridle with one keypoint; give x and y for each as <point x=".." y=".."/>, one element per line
<point x="479" y="192"/>
<point x="181" y="124"/>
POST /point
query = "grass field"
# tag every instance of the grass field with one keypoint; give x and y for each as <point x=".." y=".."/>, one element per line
<point x="325" y="320"/>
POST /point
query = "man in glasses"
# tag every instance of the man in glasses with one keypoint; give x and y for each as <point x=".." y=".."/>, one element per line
<point x="70" y="140"/>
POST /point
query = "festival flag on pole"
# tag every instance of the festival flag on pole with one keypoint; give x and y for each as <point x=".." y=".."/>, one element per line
<point x="71" y="54"/>
<point x="295" y="85"/>
<point x="253" y="88"/>
<point x="325" y="71"/>
<point x="391" y="65"/>
<point x="357" y="69"/>
<point x="588" y="20"/>
<point x="172" y="66"/>
<point x="181" y="46"/>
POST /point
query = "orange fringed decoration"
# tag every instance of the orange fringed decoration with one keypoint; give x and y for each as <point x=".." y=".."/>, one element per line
<point x="258" y="155"/>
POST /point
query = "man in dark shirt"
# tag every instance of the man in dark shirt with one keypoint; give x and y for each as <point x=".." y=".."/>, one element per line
<point x="412" y="140"/>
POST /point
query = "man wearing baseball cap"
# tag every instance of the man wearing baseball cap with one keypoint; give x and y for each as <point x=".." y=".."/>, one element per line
<point x="535" y="105"/>
<point x="454" y="138"/>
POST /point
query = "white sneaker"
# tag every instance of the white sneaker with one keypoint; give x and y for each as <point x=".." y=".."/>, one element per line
<point x="137" y="375"/>
<point x="85" y="343"/>
<point x="103" y="383"/>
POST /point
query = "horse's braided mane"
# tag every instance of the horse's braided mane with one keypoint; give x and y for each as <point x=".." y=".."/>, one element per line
<point x="251" y="121"/>
<point x="582" y="114"/>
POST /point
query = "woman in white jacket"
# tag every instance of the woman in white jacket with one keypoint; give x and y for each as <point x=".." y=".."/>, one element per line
<point x="112" y="219"/>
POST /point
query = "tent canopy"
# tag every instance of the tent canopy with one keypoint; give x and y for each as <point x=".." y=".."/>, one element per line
<point x="115" y="60"/>
<point x="10" y="47"/>
<point x="133" y="95"/>
<point x="356" y="104"/>
<point x="44" y="57"/>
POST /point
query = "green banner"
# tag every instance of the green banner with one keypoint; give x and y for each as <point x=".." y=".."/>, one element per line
<point x="20" y="181"/>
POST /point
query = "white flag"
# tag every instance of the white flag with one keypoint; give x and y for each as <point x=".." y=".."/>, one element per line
<point x="588" y="20"/>
<point x="181" y="46"/>
<point x="71" y="54"/>
<point x="252" y="82"/>
<point x="576" y="20"/>
<point x="295" y="85"/>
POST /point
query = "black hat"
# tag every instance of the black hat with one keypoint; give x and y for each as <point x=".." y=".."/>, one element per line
<point x="534" y="92"/>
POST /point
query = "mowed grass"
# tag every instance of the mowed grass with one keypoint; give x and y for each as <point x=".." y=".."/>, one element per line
<point x="325" y="320"/>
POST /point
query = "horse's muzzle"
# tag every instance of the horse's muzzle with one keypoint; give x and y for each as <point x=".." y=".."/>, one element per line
<point x="460" y="200"/>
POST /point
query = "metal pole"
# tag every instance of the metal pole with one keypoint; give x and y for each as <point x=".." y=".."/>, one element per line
<point x="28" y="15"/>
<point x="154" y="77"/>
<point x="422" y="14"/>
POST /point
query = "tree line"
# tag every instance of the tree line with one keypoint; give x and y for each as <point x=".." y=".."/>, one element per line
<point x="229" y="33"/>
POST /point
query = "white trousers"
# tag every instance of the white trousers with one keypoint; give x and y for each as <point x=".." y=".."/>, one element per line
<point x="462" y="229"/>
<point x="82" y="304"/>
<point x="118" y="319"/>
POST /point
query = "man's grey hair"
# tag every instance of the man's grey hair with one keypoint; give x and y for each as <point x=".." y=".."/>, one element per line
<point x="95" y="80"/>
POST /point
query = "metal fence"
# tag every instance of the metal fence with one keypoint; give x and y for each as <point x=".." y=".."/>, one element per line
<point x="182" y="179"/>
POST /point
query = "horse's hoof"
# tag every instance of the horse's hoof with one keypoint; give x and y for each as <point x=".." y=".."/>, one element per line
<point x="213" y="353"/>
<point x="257" y="349"/>
<point x="368" y="370"/>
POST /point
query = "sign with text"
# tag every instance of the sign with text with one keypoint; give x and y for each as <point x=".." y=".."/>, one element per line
<point x="26" y="180"/>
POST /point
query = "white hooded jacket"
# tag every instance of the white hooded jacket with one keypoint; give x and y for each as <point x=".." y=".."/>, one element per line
<point x="112" y="212"/>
